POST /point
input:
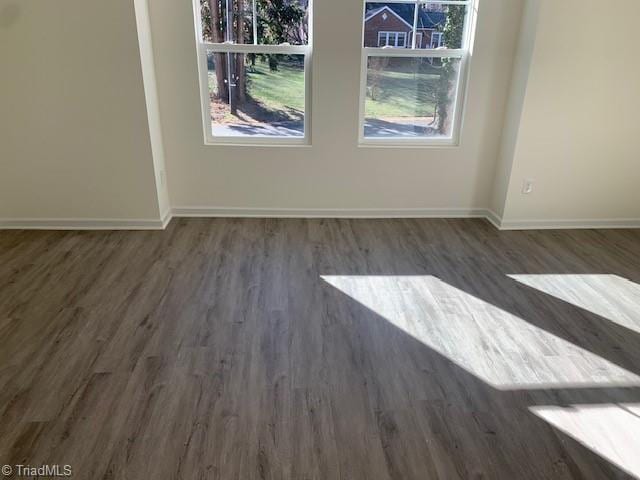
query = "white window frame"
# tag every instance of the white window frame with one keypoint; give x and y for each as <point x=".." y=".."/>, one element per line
<point x="229" y="46"/>
<point x="396" y="34"/>
<point x="464" y="54"/>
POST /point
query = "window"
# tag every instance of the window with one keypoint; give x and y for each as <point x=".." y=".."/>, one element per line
<point x="414" y="95"/>
<point x="254" y="60"/>
<point x="419" y="40"/>
<point x="392" y="39"/>
<point x="436" y="39"/>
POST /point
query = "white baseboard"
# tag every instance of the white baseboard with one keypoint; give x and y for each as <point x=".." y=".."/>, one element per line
<point x="562" y="224"/>
<point x="570" y="224"/>
<point x="160" y="224"/>
<point x="82" y="224"/>
<point x="328" y="213"/>
<point x="493" y="218"/>
<point x="166" y="218"/>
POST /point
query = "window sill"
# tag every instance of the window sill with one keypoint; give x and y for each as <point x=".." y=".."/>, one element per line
<point x="260" y="143"/>
<point x="405" y="143"/>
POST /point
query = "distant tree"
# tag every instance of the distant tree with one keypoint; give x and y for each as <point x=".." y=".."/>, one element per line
<point x="452" y="38"/>
<point x="374" y="76"/>
<point x="281" y="21"/>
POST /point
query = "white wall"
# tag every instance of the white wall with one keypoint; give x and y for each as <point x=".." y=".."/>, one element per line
<point x="74" y="134"/>
<point x="579" y="130"/>
<point x="80" y="139"/>
<point x="153" y="105"/>
<point x="515" y="104"/>
<point x="333" y="172"/>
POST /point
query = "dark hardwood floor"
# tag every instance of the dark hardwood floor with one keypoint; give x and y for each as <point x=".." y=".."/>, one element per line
<point x="321" y="349"/>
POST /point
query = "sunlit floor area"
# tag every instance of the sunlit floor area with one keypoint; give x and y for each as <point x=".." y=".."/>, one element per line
<point x="322" y="349"/>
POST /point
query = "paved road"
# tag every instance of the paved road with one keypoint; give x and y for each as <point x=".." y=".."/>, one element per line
<point x="282" y="129"/>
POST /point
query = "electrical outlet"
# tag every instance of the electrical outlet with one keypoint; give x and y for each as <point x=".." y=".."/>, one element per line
<point x="527" y="186"/>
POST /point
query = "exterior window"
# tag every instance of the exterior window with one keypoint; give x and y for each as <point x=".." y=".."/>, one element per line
<point x="414" y="95"/>
<point x="392" y="39"/>
<point x="436" y="39"/>
<point x="254" y="60"/>
<point x="419" y="40"/>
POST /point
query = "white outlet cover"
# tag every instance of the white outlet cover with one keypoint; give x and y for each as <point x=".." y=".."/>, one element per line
<point x="527" y="186"/>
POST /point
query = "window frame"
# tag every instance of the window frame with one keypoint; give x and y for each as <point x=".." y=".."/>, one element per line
<point x="202" y="48"/>
<point x="464" y="54"/>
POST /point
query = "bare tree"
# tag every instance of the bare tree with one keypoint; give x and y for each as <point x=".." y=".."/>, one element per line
<point x="220" y="59"/>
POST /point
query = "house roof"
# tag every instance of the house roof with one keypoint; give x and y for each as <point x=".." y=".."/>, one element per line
<point x="426" y="19"/>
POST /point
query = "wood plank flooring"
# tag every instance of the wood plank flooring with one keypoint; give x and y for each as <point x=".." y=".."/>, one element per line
<point x="321" y="349"/>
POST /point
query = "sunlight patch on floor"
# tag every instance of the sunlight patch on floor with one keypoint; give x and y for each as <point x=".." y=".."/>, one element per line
<point x="496" y="346"/>
<point x="609" y="430"/>
<point x="609" y="296"/>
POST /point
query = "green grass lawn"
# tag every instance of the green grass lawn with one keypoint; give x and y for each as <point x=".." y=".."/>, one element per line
<point x="271" y="95"/>
<point x="400" y="93"/>
<point x="275" y="90"/>
<point x="399" y="90"/>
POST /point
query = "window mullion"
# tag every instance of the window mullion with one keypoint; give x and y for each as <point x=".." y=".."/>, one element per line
<point x="255" y="21"/>
<point x="414" y="33"/>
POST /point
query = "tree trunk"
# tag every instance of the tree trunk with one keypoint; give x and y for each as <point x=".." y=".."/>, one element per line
<point x="241" y="79"/>
<point x="273" y="63"/>
<point x="220" y="59"/>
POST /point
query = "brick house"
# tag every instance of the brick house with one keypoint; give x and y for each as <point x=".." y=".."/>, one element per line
<point x="391" y="25"/>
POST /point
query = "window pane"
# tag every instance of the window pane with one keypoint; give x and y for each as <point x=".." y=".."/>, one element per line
<point x="395" y="18"/>
<point x="445" y="21"/>
<point x="285" y="21"/>
<point x="279" y="22"/>
<point x="410" y="97"/>
<point x="266" y="98"/>
<point x="448" y="20"/>
<point x="215" y="21"/>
